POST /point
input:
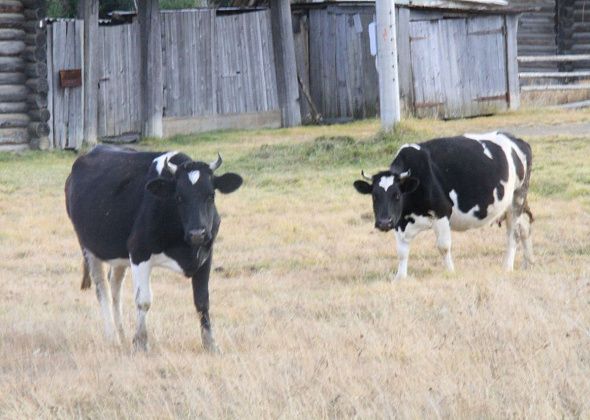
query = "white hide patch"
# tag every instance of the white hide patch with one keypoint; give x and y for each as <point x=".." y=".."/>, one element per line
<point x="164" y="261"/>
<point x="493" y="136"/>
<point x="194" y="176"/>
<point x="420" y="224"/>
<point x="460" y="220"/>
<point x="385" y="182"/>
<point x="412" y="145"/>
<point x="408" y="145"/>
<point x="160" y="160"/>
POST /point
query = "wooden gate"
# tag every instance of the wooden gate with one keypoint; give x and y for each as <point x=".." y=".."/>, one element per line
<point x="65" y="51"/>
<point x="119" y="95"/>
<point x="459" y="66"/>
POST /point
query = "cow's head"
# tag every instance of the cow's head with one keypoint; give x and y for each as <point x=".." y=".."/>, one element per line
<point x="388" y="191"/>
<point x="192" y="186"/>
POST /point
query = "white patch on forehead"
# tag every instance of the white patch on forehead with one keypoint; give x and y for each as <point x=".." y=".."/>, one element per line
<point x="160" y="160"/>
<point x="385" y="182"/>
<point x="193" y="176"/>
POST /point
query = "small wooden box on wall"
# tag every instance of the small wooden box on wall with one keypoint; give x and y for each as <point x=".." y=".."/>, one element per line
<point x="70" y="78"/>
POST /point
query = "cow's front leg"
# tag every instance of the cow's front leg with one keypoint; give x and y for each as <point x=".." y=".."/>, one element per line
<point x="143" y="300"/>
<point x="201" y="297"/>
<point x="403" y="252"/>
<point x="442" y="230"/>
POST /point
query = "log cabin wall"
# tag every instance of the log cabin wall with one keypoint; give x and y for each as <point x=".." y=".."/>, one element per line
<point x="23" y="75"/>
<point x="14" y="119"/>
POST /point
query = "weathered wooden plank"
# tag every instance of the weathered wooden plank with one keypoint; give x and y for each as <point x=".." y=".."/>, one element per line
<point x="151" y="68"/>
<point x="51" y="90"/>
<point x="286" y="68"/>
<point x="404" y="59"/>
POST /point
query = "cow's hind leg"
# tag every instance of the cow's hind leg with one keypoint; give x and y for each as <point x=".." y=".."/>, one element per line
<point x="143" y="301"/>
<point x="116" y="277"/>
<point x="524" y="230"/>
<point x="442" y="230"/>
<point x="103" y="293"/>
<point x="511" y="240"/>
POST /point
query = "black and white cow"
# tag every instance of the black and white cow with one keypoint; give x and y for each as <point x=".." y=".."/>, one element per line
<point x="145" y="210"/>
<point x="455" y="183"/>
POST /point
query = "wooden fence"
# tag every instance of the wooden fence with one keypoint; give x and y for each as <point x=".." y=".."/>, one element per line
<point x="218" y="72"/>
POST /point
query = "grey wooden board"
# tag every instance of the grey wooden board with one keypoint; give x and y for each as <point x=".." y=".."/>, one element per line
<point x="246" y="80"/>
<point x="217" y="64"/>
<point x="343" y="79"/>
<point x="68" y="113"/>
<point x="459" y="66"/>
<point x="118" y="90"/>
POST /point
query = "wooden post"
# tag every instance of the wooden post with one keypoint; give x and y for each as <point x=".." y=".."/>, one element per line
<point x="152" y="95"/>
<point x="387" y="63"/>
<point x="512" y="62"/>
<point x="285" y="64"/>
<point x="90" y="96"/>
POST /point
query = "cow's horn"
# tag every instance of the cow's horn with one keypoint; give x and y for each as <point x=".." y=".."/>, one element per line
<point x="405" y="175"/>
<point x="368" y="178"/>
<point x="217" y="163"/>
<point x="171" y="167"/>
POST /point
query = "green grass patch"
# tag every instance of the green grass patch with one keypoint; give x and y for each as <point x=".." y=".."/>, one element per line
<point x="328" y="151"/>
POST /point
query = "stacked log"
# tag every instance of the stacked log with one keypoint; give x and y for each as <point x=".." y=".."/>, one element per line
<point x="35" y="69"/>
<point x="14" y="118"/>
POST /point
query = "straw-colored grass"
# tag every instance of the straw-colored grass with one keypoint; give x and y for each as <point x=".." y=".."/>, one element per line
<point x="301" y="300"/>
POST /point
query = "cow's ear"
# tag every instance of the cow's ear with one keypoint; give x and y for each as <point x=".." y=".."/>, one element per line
<point x="363" y="187"/>
<point x="409" y="185"/>
<point x="160" y="187"/>
<point x="227" y="183"/>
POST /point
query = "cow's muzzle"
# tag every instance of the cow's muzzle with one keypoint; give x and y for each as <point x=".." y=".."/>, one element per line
<point x="197" y="237"/>
<point x="384" y="225"/>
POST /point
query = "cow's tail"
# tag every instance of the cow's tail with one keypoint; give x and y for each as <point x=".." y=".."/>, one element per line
<point x="526" y="184"/>
<point x="86" y="283"/>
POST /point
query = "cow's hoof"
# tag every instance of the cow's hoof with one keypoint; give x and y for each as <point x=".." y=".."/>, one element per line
<point x="140" y="344"/>
<point x="212" y="348"/>
<point x="209" y="342"/>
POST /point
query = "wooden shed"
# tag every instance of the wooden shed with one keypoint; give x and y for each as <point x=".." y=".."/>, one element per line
<point x="456" y="58"/>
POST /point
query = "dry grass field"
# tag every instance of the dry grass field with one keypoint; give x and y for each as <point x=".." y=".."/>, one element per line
<point x="302" y="305"/>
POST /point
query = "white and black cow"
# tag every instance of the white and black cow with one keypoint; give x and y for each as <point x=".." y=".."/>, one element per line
<point x="455" y="183"/>
<point x="145" y="210"/>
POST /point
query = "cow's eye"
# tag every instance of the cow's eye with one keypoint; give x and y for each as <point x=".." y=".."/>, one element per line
<point x="211" y="197"/>
<point x="396" y="196"/>
<point x="179" y="199"/>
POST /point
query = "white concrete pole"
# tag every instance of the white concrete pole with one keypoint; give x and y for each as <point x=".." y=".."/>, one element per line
<point x="387" y="63"/>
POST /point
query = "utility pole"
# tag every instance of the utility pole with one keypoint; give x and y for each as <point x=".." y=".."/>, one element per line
<point x="89" y="13"/>
<point x="387" y="63"/>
